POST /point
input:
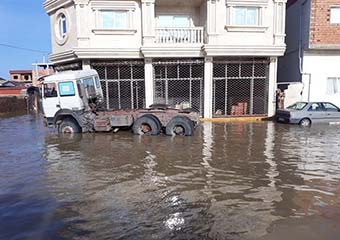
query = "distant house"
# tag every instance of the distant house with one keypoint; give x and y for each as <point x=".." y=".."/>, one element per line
<point x="21" y="76"/>
<point x="2" y="80"/>
<point x="313" y="50"/>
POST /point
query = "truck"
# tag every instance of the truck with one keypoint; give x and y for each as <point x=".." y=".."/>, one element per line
<point x="72" y="102"/>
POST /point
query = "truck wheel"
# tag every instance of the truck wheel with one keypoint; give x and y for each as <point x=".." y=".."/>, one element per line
<point x="159" y="124"/>
<point x="179" y="126"/>
<point x="68" y="126"/>
<point x="146" y="125"/>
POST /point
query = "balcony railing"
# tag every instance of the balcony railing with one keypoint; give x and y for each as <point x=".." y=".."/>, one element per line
<point x="189" y="35"/>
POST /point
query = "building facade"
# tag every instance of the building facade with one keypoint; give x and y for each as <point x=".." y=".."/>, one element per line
<point x="217" y="56"/>
<point x="313" y="50"/>
<point x="24" y="76"/>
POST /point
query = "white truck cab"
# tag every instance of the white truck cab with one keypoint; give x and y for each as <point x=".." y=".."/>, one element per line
<point x="69" y="92"/>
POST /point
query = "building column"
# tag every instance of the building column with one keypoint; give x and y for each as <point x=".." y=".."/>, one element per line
<point x="148" y="21"/>
<point x="86" y="64"/>
<point x="272" y="86"/>
<point x="149" y="93"/>
<point x="279" y="21"/>
<point x="208" y="87"/>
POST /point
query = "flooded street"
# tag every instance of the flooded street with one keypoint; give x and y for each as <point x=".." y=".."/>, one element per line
<point x="229" y="181"/>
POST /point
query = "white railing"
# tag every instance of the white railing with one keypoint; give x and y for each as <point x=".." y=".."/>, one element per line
<point x="179" y="35"/>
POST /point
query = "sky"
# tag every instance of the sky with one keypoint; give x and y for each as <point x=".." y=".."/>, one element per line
<point x="23" y="24"/>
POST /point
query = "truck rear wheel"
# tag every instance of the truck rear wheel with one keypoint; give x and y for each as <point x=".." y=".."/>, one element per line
<point x="146" y="125"/>
<point x="68" y="126"/>
<point x="179" y="126"/>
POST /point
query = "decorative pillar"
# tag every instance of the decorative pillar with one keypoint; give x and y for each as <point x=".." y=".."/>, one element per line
<point x="279" y="21"/>
<point x="212" y="20"/>
<point x="148" y="21"/>
<point x="208" y="86"/>
<point x="272" y="86"/>
<point x="83" y="23"/>
<point x="86" y="64"/>
<point x="149" y="92"/>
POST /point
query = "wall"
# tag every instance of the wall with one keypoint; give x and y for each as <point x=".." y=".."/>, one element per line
<point x="232" y="37"/>
<point x="12" y="104"/>
<point x="72" y="30"/>
<point x="321" y="65"/>
<point x="322" y="32"/>
<point x="297" y="39"/>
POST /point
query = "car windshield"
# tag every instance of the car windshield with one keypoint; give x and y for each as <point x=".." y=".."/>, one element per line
<point x="297" y="106"/>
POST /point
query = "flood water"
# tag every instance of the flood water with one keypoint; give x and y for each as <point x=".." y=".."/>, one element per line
<point x="229" y="181"/>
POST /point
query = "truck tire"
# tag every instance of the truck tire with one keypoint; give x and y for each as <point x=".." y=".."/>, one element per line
<point x="159" y="124"/>
<point x="68" y="126"/>
<point x="179" y="125"/>
<point x="146" y="125"/>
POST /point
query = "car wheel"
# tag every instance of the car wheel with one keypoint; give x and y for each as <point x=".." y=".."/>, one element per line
<point x="305" y="122"/>
<point x="179" y="126"/>
<point x="68" y="126"/>
<point x="145" y="125"/>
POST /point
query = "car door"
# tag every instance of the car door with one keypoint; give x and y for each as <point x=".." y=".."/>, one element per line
<point x="68" y="97"/>
<point x="332" y="112"/>
<point x="50" y="99"/>
<point x="316" y="112"/>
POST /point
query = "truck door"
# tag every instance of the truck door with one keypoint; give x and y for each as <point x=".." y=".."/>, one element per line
<point x="50" y="100"/>
<point x="67" y="96"/>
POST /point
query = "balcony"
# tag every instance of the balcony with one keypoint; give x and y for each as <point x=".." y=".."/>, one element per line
<point x="184" y="35"/>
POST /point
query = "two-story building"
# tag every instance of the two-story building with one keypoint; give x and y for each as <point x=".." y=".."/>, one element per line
<point x="313" y="50"/>
<point x="218" y="56"/>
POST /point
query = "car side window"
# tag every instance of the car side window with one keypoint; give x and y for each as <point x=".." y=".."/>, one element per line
<point x="330" y="107"/>
<point x="50" y="90"/>
<point x="315" y="107"/>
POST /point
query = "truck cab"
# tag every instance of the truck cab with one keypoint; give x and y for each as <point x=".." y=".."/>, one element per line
<point x="69" y="94"/>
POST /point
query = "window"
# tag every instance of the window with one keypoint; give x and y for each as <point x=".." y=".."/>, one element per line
<point x="80" y="90"/>
<point x="173" y="21"/>
<point x="315" y="107"/>
<point x="15" y="77"/>
<point x="89" y="86"/>
<point x="50" y="90"/>
<point x="335" y="15"/>
<point x="333" y="85"/>
<point x="298" y="106"/>
<point x="98" y="86"/>
<point x="330" y="107"/>
<point x="114" y="19"/>
<point x="62" y="26"/>
<point x="66" y="89"/>
<point x="246" y="16"/>
<point x="26" y="77"/>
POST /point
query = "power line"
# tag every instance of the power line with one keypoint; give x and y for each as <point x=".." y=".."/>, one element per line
<point x="22" y="48"/>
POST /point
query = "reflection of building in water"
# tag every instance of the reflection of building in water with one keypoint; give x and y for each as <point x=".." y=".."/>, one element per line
<point x="311" y="167"/>
<point x="242" y="180"/>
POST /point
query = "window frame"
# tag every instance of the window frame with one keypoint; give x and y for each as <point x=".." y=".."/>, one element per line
<point x="129" y="7"/>
<point x="62" y="26"/>
<point x="67" y="95"/>
<point x="335" y="90"/>
<point x="330" y="14"/>
<point x="260" y="5"/>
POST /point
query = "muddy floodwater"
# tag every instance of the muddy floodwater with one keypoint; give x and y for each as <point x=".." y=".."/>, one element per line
<point x="229" y="181"/>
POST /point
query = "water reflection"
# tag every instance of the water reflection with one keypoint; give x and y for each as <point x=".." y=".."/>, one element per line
<point x="229" y="181"/>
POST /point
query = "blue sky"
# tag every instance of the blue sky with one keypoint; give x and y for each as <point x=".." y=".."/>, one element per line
<point x="24" y="24"/>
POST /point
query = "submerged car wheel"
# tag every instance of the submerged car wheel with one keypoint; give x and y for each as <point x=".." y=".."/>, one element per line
<point x="305" y="122"/>
<point x="68" y="126"/>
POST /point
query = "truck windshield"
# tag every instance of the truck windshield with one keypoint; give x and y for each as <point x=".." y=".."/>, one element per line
<point x="297" y="106"/>
<point x="89" y="86"/>
<point x="97" y="82"/>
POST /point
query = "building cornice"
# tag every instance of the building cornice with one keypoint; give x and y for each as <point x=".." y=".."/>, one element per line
<point x="105" y="53"/>
<point x="172" y="51"/>
<point x="61" y="57"/>
<point x="227" y="50"/>
<point x="53" y="5"/>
